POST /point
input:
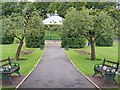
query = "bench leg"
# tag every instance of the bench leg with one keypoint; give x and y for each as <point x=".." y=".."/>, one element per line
<point x="114" y="81"/>
<point x="18" y="73"/>
<point x="101" y="74"/>
<point x="110" y="77"/>
<point x="9" y="77"/>
<point x="94" y="74"/>
<point x="97" y="72"/>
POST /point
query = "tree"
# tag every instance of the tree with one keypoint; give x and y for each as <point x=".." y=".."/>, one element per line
<point x="36" y="34"/>
<point x="30" y="23"/>
<point x="20" y="26"/>
<point x="19" y="32"/>
<point x="91" y="23"/>
<point x="15" y="26"/>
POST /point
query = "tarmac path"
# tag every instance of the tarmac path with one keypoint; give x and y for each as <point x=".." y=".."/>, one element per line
<point x="56" y="71"/>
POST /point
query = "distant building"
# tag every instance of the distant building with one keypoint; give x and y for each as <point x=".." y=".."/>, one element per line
<point x="54" y="19"/>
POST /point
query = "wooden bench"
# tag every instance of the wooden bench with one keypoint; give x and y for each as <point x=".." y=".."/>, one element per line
<point x="7" y="68"/>
<point x="107" y="69"/>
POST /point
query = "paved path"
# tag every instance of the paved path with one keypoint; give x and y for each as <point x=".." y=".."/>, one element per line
<point x="56" y="71"/>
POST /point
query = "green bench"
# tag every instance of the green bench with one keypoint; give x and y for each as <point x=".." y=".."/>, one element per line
<point x="107" y="69"/>
<point x="7" y="68"/>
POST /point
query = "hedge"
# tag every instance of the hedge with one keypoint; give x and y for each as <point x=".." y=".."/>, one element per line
<point x="105" y="40"/>
<point x="7" y="39"/>
<point x="34" y="40"/>
<point x="73" y="40"/>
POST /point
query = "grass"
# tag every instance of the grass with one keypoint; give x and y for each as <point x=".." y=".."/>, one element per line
<point x="30" y="59"/>
<point x="87" y="66"/>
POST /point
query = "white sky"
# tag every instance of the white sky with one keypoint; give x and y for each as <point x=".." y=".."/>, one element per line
<point x="28" y="0"/>
<point x="31" y="0"/>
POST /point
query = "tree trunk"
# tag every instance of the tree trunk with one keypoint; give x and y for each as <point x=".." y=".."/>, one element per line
<point x="93" y="57"/>
<point x="19" y="49"/>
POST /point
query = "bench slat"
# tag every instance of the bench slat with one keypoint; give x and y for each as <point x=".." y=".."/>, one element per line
<point x="108" y="65"/>
<point x="7" y="59"/>
<point x="3" y="60"/>
<point x="5" y="64"/>
<point x="111" y="61"/>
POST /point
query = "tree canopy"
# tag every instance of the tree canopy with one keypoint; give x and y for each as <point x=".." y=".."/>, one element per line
<point x="19" y="26"/>
<point x="91" y="23"/>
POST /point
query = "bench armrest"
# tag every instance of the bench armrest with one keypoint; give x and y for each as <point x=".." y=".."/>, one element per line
<point x="5" y="69"/>
<point x="98" y="65"/>
<point x="110" y="71"/>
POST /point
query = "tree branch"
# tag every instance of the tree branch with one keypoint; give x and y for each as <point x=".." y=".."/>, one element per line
<point x="17" y="37"/>
<point x="87" y="36"/>
<point x="98" y="35"/>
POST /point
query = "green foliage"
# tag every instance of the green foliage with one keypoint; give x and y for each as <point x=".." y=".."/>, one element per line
<point x="91" y="23"/>
<point x="7" y="36"/>
<point x="73" y="40"/>
<point x="69" y="35"/>
<point x="36" y="34"/>
<point x="105" y="40"/>
<point x="7" y="39"/>
<point x="62" y="7"/>
<point x="22" y="25"/>
<point x="42" y="7"/>
<point x="7" y="26"/>
<point x="34" y="41"/>
<point x="9" y="7"/>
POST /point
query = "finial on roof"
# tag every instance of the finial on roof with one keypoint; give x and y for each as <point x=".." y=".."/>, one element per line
<point x="56" y="13"/>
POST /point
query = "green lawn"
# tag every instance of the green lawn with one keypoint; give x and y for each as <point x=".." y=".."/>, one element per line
<point x="85" y="65"/>
<point x="30" y="59"/>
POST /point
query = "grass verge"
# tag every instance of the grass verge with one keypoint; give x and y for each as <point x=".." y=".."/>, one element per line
<point x="29" y="59"/>
<point x="85" y="65"/>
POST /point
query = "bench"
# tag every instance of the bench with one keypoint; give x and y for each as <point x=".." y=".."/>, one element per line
<point x="7" y="68"/>
<point x="107" y="69"/>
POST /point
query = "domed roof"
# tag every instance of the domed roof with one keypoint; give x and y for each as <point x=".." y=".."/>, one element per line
<point x="55" y="19"/>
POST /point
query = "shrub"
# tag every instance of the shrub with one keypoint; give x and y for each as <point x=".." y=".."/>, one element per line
<point x="7" y="39"/>
<point x="34" y="40"/>
<point x="73" y="40"/>
<point x="105" y="40"/>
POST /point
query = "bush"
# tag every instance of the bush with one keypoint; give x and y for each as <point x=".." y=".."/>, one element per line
<point x="34" y="40"/>
<point x="73" y="40"/>
<point x="7" y="39"/>
<point x="105" y="40"/>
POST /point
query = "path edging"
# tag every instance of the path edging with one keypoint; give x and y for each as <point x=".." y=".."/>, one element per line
<point x="82" y="73"/>
<point x="31" y="70"/>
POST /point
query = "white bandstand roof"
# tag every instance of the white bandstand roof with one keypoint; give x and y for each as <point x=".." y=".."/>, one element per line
<point x="54" y="20"/>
